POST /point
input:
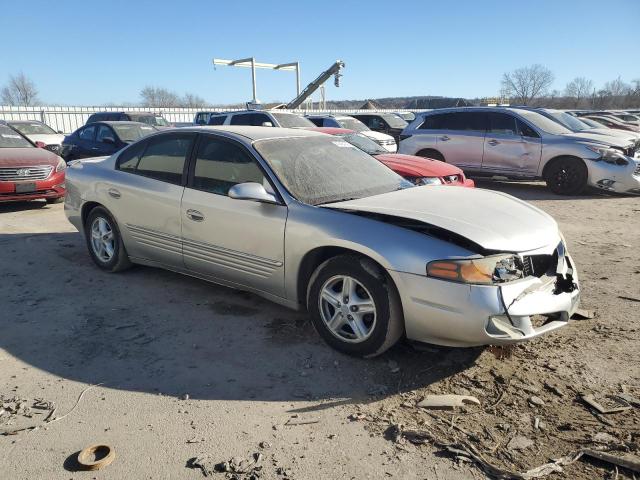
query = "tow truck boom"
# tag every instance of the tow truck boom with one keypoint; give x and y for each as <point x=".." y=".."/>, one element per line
<point x="313" y="86"/>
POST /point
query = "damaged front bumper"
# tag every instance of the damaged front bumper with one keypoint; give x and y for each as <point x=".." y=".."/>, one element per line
<point x="463" y="315"/>
<point x="615" y="178"/>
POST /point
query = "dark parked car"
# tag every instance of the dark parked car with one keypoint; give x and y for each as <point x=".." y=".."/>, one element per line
<point x="153" y="119"/>
<point x="103" y="138"/>
<point x="388" y="123"/>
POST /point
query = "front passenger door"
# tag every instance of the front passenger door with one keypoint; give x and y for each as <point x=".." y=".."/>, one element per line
<point x="107" y="142"/>
<point x="238" y="241"/>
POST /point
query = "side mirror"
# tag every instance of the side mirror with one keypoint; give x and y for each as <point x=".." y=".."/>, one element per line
<point x="109" y="140"/>
<point x="252" y="191"/>
<point x="40" y="144"/>
<point x="267" y="124"/>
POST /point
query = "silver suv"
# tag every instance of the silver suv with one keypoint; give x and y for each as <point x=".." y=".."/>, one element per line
<point x="256" y="118"/>
<point x="520" y="143"/>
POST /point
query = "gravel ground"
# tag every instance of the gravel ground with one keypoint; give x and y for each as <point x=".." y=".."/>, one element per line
<point x="174" y="369"/>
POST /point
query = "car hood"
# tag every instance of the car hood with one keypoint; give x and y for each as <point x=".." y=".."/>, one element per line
<point x="493" y="220"/>
<point x="27" y="157"/>
<point x="595" y="138"/>
<point x="417" y="166"/>
<point x="376" y="135"/>
<point x="47" y="139"/>
<point x="611" y="132"/>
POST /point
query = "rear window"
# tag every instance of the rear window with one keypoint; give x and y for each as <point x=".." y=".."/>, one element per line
<point x="290" y="120"/>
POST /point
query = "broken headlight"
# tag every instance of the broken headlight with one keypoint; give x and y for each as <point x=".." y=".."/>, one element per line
<point x="609" y="155"/>
<point x="483" y="271"/>
<point x="427" y="181"/>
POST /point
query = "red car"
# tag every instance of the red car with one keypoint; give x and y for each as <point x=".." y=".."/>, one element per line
<point x="418" y="170"/>
<point x="28" y="172"/>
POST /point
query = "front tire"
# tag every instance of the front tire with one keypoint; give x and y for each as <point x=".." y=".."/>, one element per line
<point x="354" y="306"/>
<point x="104" y="241"/>
<point x="566" y="176"/>
<point x="431" y="154"/>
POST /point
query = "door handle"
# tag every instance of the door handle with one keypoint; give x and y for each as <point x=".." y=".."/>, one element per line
<point x="195" y="215"/>
<point x="114" y="193"/>
<point x="493" y="143"/>
<point x="95" y="148"/>
<point x="444" y="138"/>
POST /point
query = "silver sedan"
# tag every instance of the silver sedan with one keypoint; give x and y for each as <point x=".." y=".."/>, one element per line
<point x="311" y="222"/>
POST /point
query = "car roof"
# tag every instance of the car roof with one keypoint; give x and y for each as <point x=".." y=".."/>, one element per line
<point x="116" y="122"/>
<point x="21" y="121"/>
<point x="333" y="130"/>
<point x="251" y="132"/>
<point x="147" y="114"/>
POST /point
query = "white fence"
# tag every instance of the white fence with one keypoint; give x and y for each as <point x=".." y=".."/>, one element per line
<point x="68" y="119"/>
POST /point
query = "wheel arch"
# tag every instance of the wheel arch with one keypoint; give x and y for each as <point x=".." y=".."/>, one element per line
<point x="557" y="158"/>
<point x="317" y="256"/>
<point x="432" y="153"/>
<point x="86" y="210"/>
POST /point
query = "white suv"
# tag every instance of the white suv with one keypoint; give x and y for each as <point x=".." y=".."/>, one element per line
<point x="343" y="121"/>
<point x="257" y="118"/>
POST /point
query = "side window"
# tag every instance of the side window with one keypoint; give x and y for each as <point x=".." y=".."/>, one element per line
<point x="317" y="121"/>
<point x="129" y="158"/>
<point x="376" y="123"/>
<point x="526" y="131"/>
<point x="220" y="165"/>
<point x="104" y="132"/>
<point x="164" y="158"/>
<point x="502" y="123"/>
<point x="217" y="120"/>
<point x="88" y="133"/>
<point x="201" y="119"/>
<point x="260" y="118"/>
<point x="463" y="121"/>
<point x="242" y="119"/>
<point x="432" y="122"/>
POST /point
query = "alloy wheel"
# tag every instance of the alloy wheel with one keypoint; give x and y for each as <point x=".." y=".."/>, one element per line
<point x="347" y="309"/>
<point x="102" y="240"/>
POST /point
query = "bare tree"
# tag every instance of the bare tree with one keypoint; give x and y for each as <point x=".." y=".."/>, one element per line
<point x="19" y="91"/>
<point x="579" y="89"/>
<point x="192" y="100"/>
<point x="527" y="83"/>
<point x="158" y="97"/>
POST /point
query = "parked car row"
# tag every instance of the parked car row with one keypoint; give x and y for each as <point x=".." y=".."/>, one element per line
<point x="310" y="220"/>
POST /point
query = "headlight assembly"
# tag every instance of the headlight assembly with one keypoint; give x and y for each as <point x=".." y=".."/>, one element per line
<point x="609" y="155"/>
<point x="427" y="181"/>
<point x="61" y="165"/>
<point x="483" y="271"/>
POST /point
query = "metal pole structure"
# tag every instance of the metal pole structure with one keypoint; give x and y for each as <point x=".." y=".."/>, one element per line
<point x="253" y="79"/>
<point x="251" y="63"/>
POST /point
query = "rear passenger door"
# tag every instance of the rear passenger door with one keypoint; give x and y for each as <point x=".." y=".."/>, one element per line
<point x="460" y="138"/>
<point x="145" y="197"/>
<point x="511" y="146"/>
<point x="237" y="241"/>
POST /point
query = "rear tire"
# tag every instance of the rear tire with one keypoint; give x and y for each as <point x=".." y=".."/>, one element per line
<point x="566" y="176"/>
<point x="355" y="306"/>
<point x="104" y="241"/>
<point x="432" y="154"/>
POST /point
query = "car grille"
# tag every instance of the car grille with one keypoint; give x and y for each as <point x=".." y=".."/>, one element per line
<point x="25" y="173"/>
<point x="539" y="265"/>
